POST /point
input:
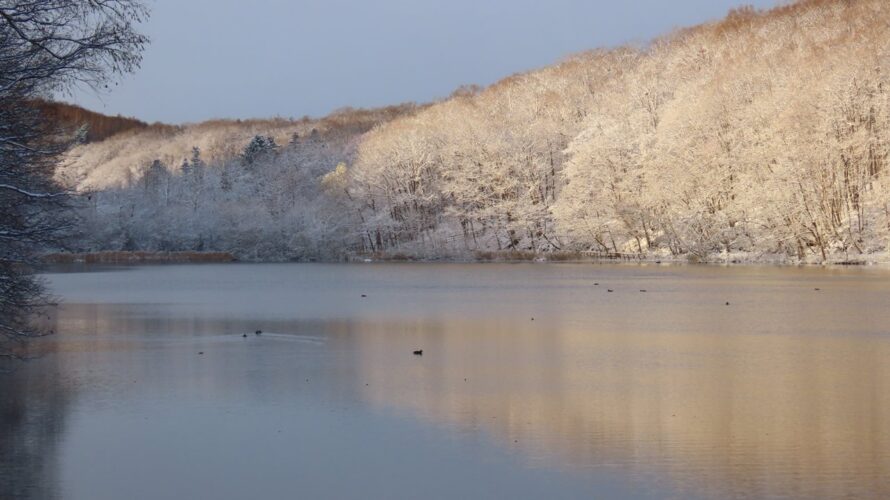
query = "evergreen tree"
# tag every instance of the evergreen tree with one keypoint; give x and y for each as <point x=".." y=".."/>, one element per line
<point x="225" y="179"/>
<point x="186" y="168"/>
<point x="260" y="148"/>
<point x="197" y="164"/>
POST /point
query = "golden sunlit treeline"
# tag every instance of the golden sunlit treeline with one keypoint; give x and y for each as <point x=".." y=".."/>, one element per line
<point x="763" y="136"/>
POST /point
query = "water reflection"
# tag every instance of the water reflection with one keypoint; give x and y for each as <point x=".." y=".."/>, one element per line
<point x="32" y="420"/>
<point x="719" y="415"/>
<point x="534" y="382"/>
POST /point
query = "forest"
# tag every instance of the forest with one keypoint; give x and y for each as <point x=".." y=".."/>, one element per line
<point x="91" y="125"/>
<point x="759" y="137"/>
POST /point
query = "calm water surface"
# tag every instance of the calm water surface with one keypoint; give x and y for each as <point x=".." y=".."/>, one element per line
<point x="664" y="394"/>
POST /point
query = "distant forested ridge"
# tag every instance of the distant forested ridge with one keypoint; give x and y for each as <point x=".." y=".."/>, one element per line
<point x="762" y="136"/>
<point x="95" y="126"/>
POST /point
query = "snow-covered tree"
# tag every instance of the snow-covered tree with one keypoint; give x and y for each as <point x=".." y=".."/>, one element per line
<point x="46" y="46"/>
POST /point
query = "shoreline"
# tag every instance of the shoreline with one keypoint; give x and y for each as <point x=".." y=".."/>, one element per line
<point x="141" y="257"/>
<point x="137" y="257"/>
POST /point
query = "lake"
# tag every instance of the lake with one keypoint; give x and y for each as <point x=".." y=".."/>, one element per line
<point x="535" y="381"/>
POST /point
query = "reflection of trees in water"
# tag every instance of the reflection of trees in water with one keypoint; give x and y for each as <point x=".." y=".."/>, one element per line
<point x="712" y="415"/>
<point x="716" y="415"/>
<point x="32" y="415"/>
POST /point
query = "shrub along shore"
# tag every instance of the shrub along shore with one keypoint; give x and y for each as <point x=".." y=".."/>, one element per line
<point x="136" y="257"/>
<point x="123" y="257"/>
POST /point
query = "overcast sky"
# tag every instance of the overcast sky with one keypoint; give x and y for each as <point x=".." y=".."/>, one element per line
<point x="262" y="58"/>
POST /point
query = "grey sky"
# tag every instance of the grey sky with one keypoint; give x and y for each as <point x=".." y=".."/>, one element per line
<point x="261" y="58"/>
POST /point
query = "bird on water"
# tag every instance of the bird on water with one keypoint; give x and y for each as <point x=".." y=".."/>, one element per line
<point x="418" y="352"/>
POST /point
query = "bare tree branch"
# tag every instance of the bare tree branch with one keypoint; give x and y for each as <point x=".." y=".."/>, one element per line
<point x="46" y="45"/>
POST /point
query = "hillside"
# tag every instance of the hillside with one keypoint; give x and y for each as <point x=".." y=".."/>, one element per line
<point x="763" y="136"/>
<point x="98" y="127"/>
<point x="123" y="149"/>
